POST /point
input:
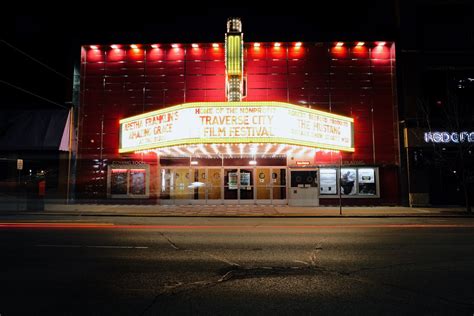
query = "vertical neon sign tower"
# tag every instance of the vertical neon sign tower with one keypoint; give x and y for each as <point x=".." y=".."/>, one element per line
<point x="234" y="60"/>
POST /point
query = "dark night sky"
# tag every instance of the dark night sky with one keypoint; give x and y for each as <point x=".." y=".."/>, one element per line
<point x="55" y="39"/>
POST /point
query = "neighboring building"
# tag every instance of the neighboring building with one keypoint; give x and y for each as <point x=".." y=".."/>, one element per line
<point x="239" y="123"/>
<point x="33" y="145"/>
<point x="436" y="90"/>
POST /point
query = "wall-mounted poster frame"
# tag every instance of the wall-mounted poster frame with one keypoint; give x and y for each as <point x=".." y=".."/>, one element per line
<point x="354" y="181"/>
<point x="130" y="181"/>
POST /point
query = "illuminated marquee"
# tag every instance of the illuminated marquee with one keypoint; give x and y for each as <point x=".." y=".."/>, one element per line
<point x="236" y="122"/>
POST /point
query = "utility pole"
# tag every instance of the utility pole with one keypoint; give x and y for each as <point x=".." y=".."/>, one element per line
<point x="339" y="181"/>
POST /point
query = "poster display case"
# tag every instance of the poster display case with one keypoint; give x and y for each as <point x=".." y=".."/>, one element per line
<point x="353" y="182"/>
<point x="128" y="181"/>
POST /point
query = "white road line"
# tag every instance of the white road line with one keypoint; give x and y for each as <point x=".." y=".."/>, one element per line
<point x="87" y="246"/>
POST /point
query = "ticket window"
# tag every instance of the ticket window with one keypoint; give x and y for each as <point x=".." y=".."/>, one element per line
<point x="128" y="181"/>
<point x="304" y="189"/>
<point x="304" y="179"/>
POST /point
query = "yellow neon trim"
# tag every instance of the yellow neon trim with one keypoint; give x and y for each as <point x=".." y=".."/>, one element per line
<point x="231" y="56"/>
<point x="229" y="53"/>
<point x="237" y="57"/>
<point x="234" y="104"/>
<point x="229" y="39"/>
<point x="237" y="140"/>
<point x="234" y="55"/>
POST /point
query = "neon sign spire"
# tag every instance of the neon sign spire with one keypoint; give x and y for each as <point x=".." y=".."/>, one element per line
<point x="234" y="60"/>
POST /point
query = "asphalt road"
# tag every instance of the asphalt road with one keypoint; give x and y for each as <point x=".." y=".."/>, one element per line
<point x="159" y="266"/>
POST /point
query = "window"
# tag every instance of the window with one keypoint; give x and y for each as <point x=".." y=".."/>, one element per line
<point x="353" y="182"/>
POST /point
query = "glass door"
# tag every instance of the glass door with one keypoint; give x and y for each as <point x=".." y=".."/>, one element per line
<point x="214" y="185"/>
<point x="278" y="185"/>
<point x="198" y="186"/>
<point x="239" y="185"/>
<point x="231" y="184"/>
<point x="182" y="178"/>
<point x="263" y="185"/>
<point x="246" y="185"/>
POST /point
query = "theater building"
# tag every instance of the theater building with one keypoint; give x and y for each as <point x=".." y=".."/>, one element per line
<point x="293" y="123"/>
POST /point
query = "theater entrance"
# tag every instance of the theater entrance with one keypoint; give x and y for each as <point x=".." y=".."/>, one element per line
<point x="224" y="185"/>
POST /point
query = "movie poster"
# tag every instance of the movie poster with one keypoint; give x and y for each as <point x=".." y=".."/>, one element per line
<point x="118" y="181"/>
<point x="245" y="181"/>
<point x="367" y="181"/>
<point x="137" y="182"/>
<point x="328" y="181"/>
<point x="232" y="180"/>
<point x="348" y="181"/>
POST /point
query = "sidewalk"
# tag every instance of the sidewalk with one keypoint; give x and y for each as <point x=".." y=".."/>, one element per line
<point x="238" y="211"/>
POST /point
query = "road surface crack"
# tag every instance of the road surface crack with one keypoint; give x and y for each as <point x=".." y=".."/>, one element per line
<point x="172" y="244"/>
<point x="235" y="273"/>
<point x="213" y="256"/>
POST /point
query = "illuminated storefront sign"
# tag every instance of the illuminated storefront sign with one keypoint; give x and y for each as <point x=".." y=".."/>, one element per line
<point x="446" y="137"/>
<point x="236" y="122"/>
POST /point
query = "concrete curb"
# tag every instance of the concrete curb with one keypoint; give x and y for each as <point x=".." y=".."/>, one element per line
<point x="220" y="215"/>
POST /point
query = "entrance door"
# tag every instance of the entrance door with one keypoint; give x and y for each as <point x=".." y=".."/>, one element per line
<point x="239" y="186"/>
<point x="278" y="186"/>
<point x="263" y="185"/>
<point x="246" y="186"/>
<point x="270" y="184"/>
<point x="304" y="188"/>
<point x="231" y="186"/>
<point x="207" y="186"/>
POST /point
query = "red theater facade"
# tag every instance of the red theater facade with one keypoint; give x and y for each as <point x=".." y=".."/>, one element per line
<point x="316" y="121"/>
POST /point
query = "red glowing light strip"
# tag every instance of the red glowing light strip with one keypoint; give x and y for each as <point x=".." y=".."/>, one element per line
<point x="119" y="170"/>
